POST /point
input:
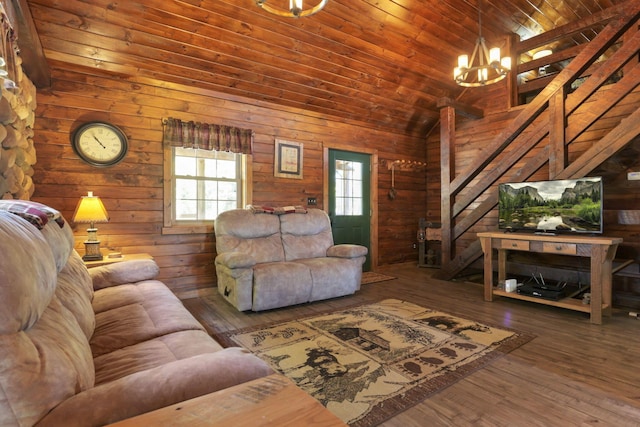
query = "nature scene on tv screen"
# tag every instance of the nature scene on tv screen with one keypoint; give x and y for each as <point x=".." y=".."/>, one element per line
<point x="562" y="205"/>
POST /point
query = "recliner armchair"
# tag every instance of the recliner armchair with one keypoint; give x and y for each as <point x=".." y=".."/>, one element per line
<point x="268" y="260"/>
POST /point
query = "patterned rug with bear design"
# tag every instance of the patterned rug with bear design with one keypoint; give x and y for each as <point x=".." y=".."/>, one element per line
<point x="368" y="363"/>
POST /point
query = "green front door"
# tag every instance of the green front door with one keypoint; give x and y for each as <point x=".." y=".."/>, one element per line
<point x="350" y="199"/>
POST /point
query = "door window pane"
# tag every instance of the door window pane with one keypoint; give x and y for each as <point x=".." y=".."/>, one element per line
<point x="349" y="190"/>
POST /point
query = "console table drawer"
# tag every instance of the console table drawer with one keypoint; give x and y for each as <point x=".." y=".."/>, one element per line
<point x="516" y="245"/>
<point x="560" y="248"/>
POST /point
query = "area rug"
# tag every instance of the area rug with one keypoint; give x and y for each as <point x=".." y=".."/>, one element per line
<point x="369" y="363"/>
<point x="373" y="277"/>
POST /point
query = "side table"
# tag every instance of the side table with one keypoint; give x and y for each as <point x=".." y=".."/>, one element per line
<point x="106" y="260"/>
<point x="268" y="401"/>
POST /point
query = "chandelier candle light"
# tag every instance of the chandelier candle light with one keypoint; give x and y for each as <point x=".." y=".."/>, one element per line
<point x="91" y="210"/>
<point x="491" y="68"/>
<point x="296" y="8"/>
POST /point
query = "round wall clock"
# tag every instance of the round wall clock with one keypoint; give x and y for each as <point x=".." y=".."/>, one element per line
<point x="100" y="143"/>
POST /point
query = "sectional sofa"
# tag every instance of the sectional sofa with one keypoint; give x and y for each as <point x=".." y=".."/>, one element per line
<point x="88" y="347"/>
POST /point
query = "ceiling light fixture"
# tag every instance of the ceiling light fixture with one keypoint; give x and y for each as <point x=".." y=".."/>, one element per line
<point x="542" y="53"/>
<point x="296" y="9"/>
<point x="491" y="68"/>
<point x="543" y="69"/>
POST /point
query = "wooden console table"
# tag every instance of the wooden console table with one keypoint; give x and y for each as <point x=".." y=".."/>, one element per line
<point x="269" y="401"/>
<point x="601" y="251"/>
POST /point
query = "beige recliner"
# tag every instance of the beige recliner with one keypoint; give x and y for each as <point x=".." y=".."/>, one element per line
<point x="267" y="260"/>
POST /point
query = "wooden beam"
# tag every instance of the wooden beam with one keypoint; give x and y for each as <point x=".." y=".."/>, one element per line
<point x="629" y="49"/>
<point x="563" y="55"/>
<point x="512" y="76"/>
<point x="632" y="31"/>
<point x="529" y="141"/>
<point x="613" y="96"/>
<point x="34" y="62"/>
<point x="460" y="108"/>
<point x="468" y="256"/>
<point x="575" y="27"/>
<point x="627" y="130"/>
<point x="557" y="122"/>
<point x="447" y="172"/>
<point x="521" y="175"/>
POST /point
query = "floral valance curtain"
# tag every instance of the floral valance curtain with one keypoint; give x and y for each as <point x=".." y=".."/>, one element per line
<point x="204" y="136"/>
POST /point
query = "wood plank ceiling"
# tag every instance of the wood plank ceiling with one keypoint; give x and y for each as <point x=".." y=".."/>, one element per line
<point x="382" y="63"/>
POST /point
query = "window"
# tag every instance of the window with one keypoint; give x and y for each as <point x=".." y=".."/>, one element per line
<point x="202" y="184"/>
<point x="349" y="195"/>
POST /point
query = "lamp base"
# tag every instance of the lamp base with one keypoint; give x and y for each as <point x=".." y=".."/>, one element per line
<point x="92" y="251"/>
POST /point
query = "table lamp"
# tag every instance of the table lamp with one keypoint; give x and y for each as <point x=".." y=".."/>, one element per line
<point x="90" y="209"/>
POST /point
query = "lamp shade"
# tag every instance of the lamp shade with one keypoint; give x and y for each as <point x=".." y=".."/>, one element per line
<point x="90" y="209"/>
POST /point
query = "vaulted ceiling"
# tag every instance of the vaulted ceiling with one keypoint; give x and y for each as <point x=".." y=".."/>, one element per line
<point x="384" y="63"/>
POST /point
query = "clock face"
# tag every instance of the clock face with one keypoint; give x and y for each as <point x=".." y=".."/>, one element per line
<point x="100" y="144"/>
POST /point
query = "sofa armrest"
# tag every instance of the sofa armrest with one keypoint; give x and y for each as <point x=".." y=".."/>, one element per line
<point x="347" y="251"/>
<point x="158" y="387"/>
<point x="236" y="260"/>
<point x="123" y="272"/>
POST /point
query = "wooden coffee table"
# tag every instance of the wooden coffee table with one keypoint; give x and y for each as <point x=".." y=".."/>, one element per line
<point x="269" y="401"/>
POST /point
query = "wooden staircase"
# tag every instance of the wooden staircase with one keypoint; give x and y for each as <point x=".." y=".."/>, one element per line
<point x="549" y="132"/>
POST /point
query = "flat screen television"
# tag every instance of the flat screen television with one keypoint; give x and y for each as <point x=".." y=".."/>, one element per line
<point x="557" y="206"/>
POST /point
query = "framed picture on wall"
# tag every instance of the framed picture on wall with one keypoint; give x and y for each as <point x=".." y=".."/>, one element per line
<point x="288" y="159"/>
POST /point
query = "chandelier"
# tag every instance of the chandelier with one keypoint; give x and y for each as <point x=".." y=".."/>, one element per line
<point x="296" y="10"/>
<point x="490" y="67"/>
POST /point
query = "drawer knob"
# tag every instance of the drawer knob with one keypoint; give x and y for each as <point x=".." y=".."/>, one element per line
<point x="558" y="248"/>
<point x="514" y="245"/>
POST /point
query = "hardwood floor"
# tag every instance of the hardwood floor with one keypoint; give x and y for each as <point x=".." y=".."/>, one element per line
<point x="573" y="373"/>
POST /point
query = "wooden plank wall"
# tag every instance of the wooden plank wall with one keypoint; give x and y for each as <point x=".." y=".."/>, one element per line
<point x="132" y="190"/>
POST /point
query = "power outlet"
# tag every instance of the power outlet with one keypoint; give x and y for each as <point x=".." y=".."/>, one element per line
<point x="312" y="201"/>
